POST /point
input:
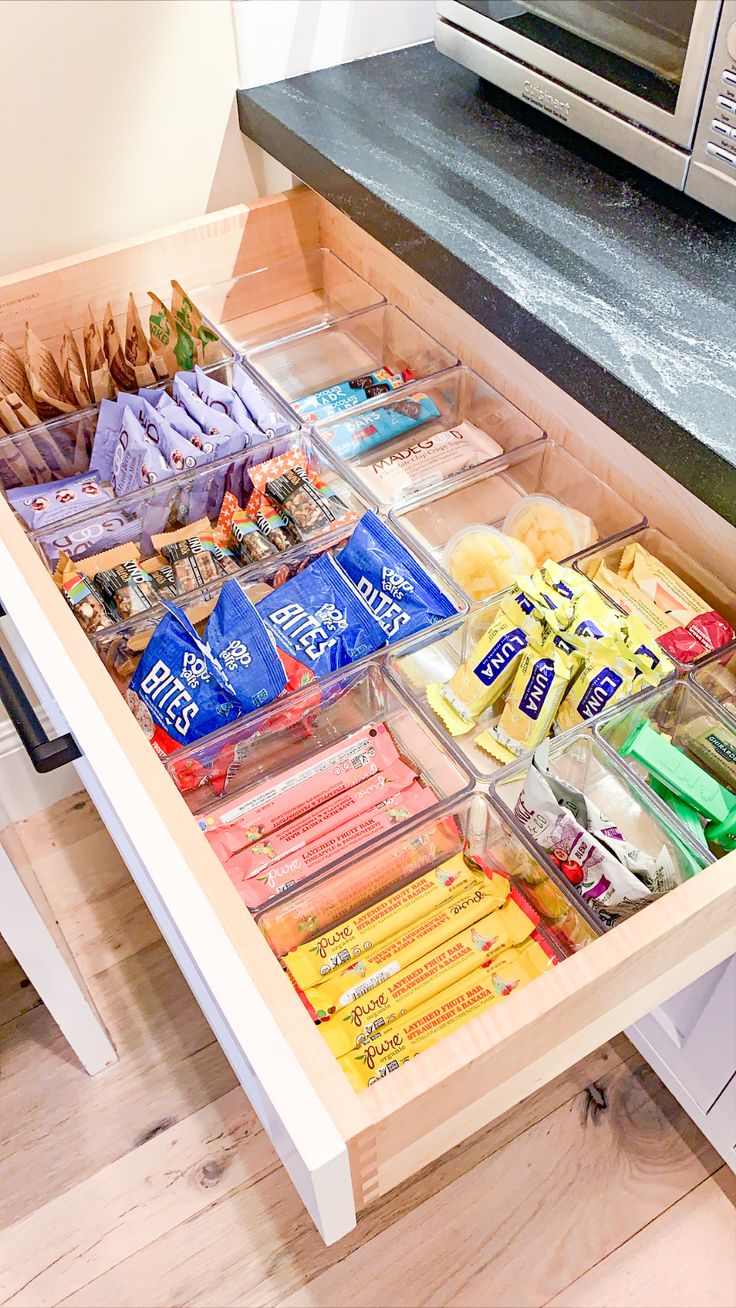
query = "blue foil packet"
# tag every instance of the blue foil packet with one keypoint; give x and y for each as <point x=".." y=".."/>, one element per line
<point x="403" y="597"/>
<point x="356" y="435"/>
<point x="319" y="622"/>
<point x="348" y="394"/>
<point x="239" y="640"/>
<point x="179" y="692"/>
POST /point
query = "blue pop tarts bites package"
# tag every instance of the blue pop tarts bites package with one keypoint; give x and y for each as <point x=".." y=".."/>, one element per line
<point x="319" y="622"/>
<point x="393" y="583"/>
<point x="238" y="638"/>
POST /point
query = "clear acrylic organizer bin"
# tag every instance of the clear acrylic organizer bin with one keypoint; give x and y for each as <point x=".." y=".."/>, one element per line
<point x="472" y="824"/>
<point x="284" y="299"/>
<point x="433" y="518"/>
<point x="716" y="593"/>
<point x="692" y="723"/>
<point x="716" y="677"/>
<point x="382" y="337"/>
<point x="584" y="761"/>
<point x="290" y="734"/>
<point x="61" y="447"/>
<point x="452" y="397"/>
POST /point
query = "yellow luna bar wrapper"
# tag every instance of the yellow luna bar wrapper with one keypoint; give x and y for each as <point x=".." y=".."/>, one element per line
<point x="473" y="902"/>
<point x="335" y="948"/>
<point x="489" y="669"/>
<point x="531" y="704"/>
<point x="361" y="1020"/>
<point x="644" y="650"/>
<point x="605" y="677"/>
<point x="457" y="1004"/>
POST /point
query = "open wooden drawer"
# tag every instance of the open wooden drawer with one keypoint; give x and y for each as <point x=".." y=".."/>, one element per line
<point x="341" y="1149"/>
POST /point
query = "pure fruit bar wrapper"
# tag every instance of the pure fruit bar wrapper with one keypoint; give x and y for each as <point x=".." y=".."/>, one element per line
<point x="360" y="1021"/>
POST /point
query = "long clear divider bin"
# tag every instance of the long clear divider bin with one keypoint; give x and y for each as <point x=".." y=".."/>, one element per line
<point x="677" y="741"/>
<point x="597" y="828"/>
<point x="691" y="611"/>
<point x="352" y="360"/>
<point x="395" y="948"/>
<point x="288" y="792"/>
<point x="285" y="298"/>
<point x="435" y="430"/>
<point x="488" y="527"/>
<point x="717" y="679"/>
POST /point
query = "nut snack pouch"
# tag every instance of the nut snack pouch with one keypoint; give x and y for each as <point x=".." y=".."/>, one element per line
<point x="393" y="583"/>
<point x="472" y="903"/>
<point x="50" y="396"/>
<point x="450" y="1009"/>
<point x="287" y="872"/>
<point x="238" y="639"/>
<point x="121" y="371"/>
<point x="300" y="790"/>
<point x="179" y="692"/>
<point x="320" y="622"/>
<point x="138" y="353"/>
<point x="188" y="316"/>
<point x="170" y="338"/>
<point x="363" y="1017"/>
<point x="353" y="436"/>
<point x="349" y="394"/>
<point x="181" y="454"/>
<point x="225" y="436"/>
<point x="225" y="400"/>
<point x="136" y="461"/>
<point x="339" y="946"/>
<point x="260" y="407"/>
<point x="177" y="417"/>
<point x="99" y="378"/>
<point x="43" y="504"/>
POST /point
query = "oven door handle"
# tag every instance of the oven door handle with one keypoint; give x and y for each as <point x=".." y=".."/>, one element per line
<point x="46" y="755"/>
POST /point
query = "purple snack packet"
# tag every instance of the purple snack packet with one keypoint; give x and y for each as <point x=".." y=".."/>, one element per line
<point x="84" y="536"/>
<point x="39" y="506"/>
<point x="225" y="400"/>
<point x="260" y="407"/>
<point x="137" y="461"/>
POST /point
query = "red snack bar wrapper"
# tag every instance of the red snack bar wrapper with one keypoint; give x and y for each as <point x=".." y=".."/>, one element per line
<point x="288" y="871"/>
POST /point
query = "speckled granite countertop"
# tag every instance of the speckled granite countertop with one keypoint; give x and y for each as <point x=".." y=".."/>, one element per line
<point x="618" y="288"/>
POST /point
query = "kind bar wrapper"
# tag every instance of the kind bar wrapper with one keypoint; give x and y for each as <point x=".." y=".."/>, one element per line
<point x="335" y="949"/>
<point x="300" y="790"/>
<point x="424" y="1026"/>
<point x="191" y="554"/>
<point x="306" y="862"/>
<point x="119" y="579"/>
<point x="365" y="1018"/>
<point x="189" y="317"/>
<point x="122" y="374"/>
<point x="674" y="597"/>
<point x="532" y="703"/>
<point x="248" y="542"/>
<point x="13" y="376"/>
<point x="306" y="510"/>
<point x="80" y="595"/>
<point x="138" y="352"/>
<point x="47" y="383"/>
<point x="468" y="906"/>
<point x="319" y="822"/>
<point x="99" y="378"/>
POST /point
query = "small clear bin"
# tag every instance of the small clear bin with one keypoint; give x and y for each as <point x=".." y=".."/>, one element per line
<point x="292" y="735"/>
<point x="471" y="824"/>
<point x="716" y="594"/>
<point x="382" y="337"/>
<point x="716" y="677"/>
<point x="391" y="445"/>
<point x="693" y="725"/>
<point x="487" y="499"/>
<point x="586" y="763"/>
<point x="284" y="299"/>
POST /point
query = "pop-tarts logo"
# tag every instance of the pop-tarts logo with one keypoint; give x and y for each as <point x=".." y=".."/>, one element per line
<point x="599" y="692"/>
<point x="394" y="584"/>
<point x="537" y="688"/>
<point x="332" y="618"/>
<point x="500" y="655"/>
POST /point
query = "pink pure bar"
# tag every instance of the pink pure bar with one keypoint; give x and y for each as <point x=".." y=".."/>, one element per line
<point x="287" y="872"/>
<point x="249" y="817"/>
<point x="337" y="812"/>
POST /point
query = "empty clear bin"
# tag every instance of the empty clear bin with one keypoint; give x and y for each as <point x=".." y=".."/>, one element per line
<point x="393" y="445"/>
<point x="332" y="767"/>
<point x="585" y="763"/>
<point x="512" y="501"/>
<point x="471" y="825"/>
<point x="681" y="718"/>
<point x="348" y="351"/>
<point x="294" y="295"/>
<point x="602" y="566"/>
<point x="716" y="677"/>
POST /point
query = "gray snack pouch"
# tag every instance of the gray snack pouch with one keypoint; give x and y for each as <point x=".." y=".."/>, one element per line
<point x="259" y="405"/>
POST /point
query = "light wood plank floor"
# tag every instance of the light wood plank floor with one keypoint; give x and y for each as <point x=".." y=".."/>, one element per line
<point x="154" y="1183"/>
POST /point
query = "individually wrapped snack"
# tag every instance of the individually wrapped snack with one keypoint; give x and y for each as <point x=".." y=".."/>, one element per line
<point x="300" y="790"/>
<point x="403" y="597"/>
<point x="312" y="858"/>
<point x="368" y="1015"/>
<point x="679" y="642"/>
<point x="644" y="651"/>
<point x="450" y="1009"/>
<point x="484" y="561"/>
<point x="13" y="376"/>
<point x="260" y="407"/>
<point x="80" y="537"/>
<point x="354" y="436"/>
<point x="320" y="622"/>
<point x="713" y="744"/>
<point x="606" y="676"/>
<point x="674" y="597"/>
<point x="349" y="394"/>
<point x="189" y="317"/>
<point x="471" y="904"/>
<point x="72" y="370"/>
<point x="178" y="418"/>
<point x="489" y="669"/>
<point x="99" y="378"/>
<point x="437" y="457"/>
<point x="122" y="373"/>
<point x="119" y="580"/>
<point x="334" y="949"/>
<point x="242" y="646"/>
<point x="43" y="504"/>
<point x="541" y="680"/>
<point x="181" y="454"/>
<point x="138" y="353"/>
<point x="170" y="338"/>
<point x="225" y="400"/>
<point x="191" y="554"/>
<point x="179" y="692"/>
<point x="80" y="595"/>
<point x="550" y="530"/>
<point x="273" y="526"/>
<point x="224" y="436"/>
<point x="162" y="578"/>
<point x="136" y="461"/>
<point x="305" y="509"/>
<point x="47" y="384"/>
<point x="249" y="543"/>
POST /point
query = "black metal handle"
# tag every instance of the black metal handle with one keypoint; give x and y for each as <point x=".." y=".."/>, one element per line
<point x="45" y="755"/>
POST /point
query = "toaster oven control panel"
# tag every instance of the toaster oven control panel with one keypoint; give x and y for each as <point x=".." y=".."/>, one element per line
<point x="712" y="173"/>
